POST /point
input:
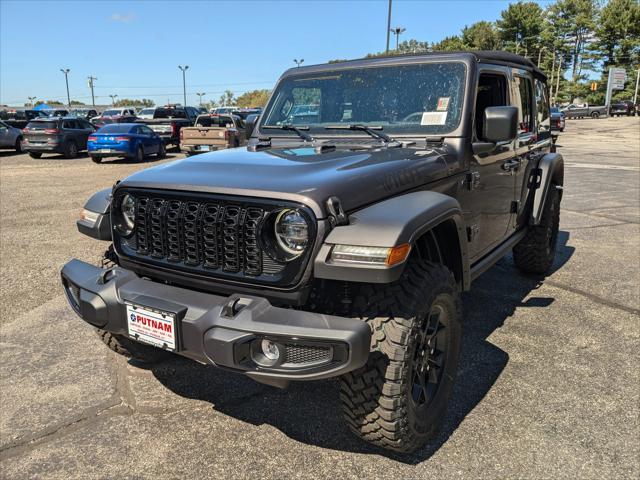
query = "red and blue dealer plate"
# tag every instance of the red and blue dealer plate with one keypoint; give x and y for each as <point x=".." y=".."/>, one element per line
<point x="152" y="326"/>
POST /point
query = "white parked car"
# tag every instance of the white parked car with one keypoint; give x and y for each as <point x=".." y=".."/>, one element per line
<point x="146" y="113"/>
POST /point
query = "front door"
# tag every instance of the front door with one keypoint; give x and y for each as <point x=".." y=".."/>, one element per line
<point x="491" y="181"/>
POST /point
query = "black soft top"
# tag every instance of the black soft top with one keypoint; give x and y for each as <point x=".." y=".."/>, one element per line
<point x="486" y="56"/>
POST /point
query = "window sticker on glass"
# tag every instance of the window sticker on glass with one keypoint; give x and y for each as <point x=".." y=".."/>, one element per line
<point x="434" y="118"/>
<point x="443" y="104"/>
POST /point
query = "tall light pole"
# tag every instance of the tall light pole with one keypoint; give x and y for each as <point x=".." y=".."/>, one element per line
<point x="397" y="31"/>
<point x="32" y="100"/>
<point x="93" y="98"/>
<point x="66" y="79"/>
<point x="200" y="94"/>
<point x="388" y="25"/>
<point x="113" y="99"/>
<point x="184" y="83"/>
<point x="298" y="62"/>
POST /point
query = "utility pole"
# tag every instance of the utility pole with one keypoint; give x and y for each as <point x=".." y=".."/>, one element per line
<point x="113" y="99"/>
<point x="397" y="31"/>
<point x="388" y="25"/>
<point x="93" y="99"/>
<point x="200" y="94"/>
<point x="66" y="79"/>
<point x="298" y="62"/>
<point x="32" y="100"/>
<point x="184" y="83"/>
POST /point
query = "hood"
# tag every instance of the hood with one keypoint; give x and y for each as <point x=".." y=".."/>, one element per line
<point x="356" y="177"/>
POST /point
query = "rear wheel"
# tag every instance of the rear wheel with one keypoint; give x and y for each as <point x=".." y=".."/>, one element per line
<point x="139" y="157"/>
<point x="595" y="115"/>
<point x="96" y="159"/>
<point x="18" y="145"/>
<point x="398" y="399"/>
<point x="537" y="250"/>
<point x="35" y="154"/>
<point x="70" y="150"/>
<point x="162" y="151"/>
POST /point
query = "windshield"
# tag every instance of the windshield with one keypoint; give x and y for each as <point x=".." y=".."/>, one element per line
<point x="147" y="111"/>
<point x="169" y="113"/>
<point x="555" y="110"/>
<point x="110" y="113"/>
<point x="116" y="128"/>
<point x="410" y="99"/>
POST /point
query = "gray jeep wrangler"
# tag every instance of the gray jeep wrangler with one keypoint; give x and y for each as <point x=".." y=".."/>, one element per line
<point x="338" y="242"/>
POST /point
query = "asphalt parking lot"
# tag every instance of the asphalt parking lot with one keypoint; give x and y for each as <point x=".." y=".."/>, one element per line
<point x="549" y="385"/>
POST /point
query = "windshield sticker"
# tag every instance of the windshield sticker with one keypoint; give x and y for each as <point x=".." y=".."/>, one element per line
<point x="443" y="104"/>
<point x="434" y="118"/>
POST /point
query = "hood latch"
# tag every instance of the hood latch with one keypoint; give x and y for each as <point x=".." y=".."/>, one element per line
<point x="337" y="216"/>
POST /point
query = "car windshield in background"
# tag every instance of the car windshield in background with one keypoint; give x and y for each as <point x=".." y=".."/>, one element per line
<point x="115" y="128"/>
<point x="146" y="111"/>
<point x="42" y="125"/>
<point x="555" y="110"/>
<point x="169" y="113"/>
<point x="410" y="99"/>
<point x="214" y="122"/>
<point x="110" y="113"/>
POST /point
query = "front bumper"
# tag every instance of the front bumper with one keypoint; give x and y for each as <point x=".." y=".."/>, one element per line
<point x="223" y="331"/>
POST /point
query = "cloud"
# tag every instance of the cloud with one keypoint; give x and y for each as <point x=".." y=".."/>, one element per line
<point x="122" y="17"/>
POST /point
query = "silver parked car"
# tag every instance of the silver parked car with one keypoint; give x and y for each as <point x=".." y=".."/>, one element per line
<point x="10" y="137"/>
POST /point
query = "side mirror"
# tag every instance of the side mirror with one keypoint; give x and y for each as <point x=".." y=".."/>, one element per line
<point x="500" y="124"/>
<point x="249" y="125"/>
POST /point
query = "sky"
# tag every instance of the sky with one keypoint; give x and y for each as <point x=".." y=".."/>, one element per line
<point x="134" y="47"/>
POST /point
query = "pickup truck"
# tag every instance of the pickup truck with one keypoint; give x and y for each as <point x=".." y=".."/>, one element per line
<point x="167" y="122"/>
<point x="581" y="111"/>
<point x="20" y="118"/>
<point x="213" y="132"/>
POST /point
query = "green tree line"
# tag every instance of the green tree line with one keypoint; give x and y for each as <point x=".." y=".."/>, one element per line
<point x="572" y="41"/>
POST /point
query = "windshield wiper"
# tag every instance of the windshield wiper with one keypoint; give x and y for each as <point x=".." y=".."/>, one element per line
<point x="371" y="130"/>
<point x="287" y="126"/>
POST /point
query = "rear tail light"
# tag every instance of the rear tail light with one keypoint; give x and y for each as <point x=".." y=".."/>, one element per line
<point x="53" y="131"/>
<point x="92" y="138"/>
<point x="174" y="129"/>
<point x="122" y="139"/>
<point x="227" y="135"/>
<point x="558" y="123"/>
<point x="181" y="135"/>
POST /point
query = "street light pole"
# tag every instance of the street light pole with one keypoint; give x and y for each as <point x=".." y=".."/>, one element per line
<point x="397" y="31"/>
<point x="31" y="101"/>
<point x="184" y="83"/>
<point x="200" y="94"/>
<point x="298" y="62"/>
<point x="388" y="25"/>
<point x="93" y="99"/>
<point x="113" y="100"/>
<point x="66" y="79"/>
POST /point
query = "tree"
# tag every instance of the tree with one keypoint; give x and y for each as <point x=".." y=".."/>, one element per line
<point x="127" y="102"/>
<point x="480" y="36"/>
<point x="451" y="43"/>
<point x="77" y="102"/>
<point x="520" y="26"/>
<point x="618" y="33"/>
<point x="227" y="99"/>
<point x="54" y="103"/>
<point x="253" y="98"/>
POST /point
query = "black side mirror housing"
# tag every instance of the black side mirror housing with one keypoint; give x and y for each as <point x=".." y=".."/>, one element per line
<point x="250" y="124"/>
<point x="500" y="124"/>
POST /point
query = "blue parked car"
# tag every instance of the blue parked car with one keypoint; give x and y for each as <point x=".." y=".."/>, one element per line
<point x="130" y="140"/>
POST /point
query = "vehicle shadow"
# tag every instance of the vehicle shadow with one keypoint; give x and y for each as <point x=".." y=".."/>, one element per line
<point x="147" y="159"/>
<point x="309" y="412"/>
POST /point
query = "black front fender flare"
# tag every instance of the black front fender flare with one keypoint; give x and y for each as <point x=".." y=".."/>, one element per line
<point x="550" y="171"/>
<point x="392" y="222"/>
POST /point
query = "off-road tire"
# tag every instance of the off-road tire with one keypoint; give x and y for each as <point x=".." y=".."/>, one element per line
<point x="132" y="349"/>
<point x="377" y="399"/>
<point x="35" y="154"/>
<point x="70" y="149"/>
<point x="536" y="251"/>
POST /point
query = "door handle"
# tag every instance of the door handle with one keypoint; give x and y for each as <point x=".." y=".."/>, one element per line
<point x="510" y="165"/>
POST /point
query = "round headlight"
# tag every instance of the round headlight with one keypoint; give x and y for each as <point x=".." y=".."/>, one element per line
<point x="128" y="209"/>
<point x="292" y="232"/>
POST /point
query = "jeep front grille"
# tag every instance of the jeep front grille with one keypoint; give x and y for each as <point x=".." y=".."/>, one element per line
<point x="206" y="235"/>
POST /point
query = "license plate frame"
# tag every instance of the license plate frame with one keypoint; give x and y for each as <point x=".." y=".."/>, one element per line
<point x="204" y="148"/>
<point x="153" y="326"/>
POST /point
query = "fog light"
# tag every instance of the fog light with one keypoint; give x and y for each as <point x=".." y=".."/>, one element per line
<point x="270" y="350"/>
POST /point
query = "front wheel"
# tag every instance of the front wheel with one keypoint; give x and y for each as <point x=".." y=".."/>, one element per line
<point x="18" y="145"/>
<point x="139" y="156"/>
<point x="162" y="151"/>
<point x="595" y="115"/>
<point x="132" y="349"/>
<point x="70" y="150"/>
<point x="398" y="399"/>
